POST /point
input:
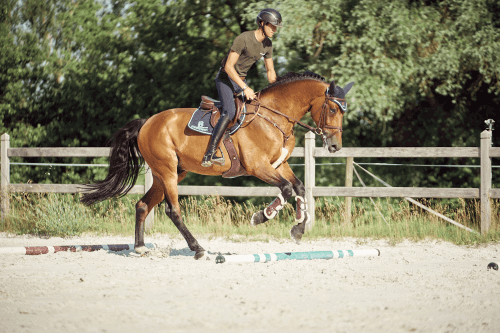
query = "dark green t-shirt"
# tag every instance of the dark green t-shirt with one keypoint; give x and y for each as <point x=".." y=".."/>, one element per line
<point x="250" y="50"/>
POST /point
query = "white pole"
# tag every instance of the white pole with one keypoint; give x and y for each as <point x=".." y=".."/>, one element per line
<point x="485" y="181"/>
<point x="349" y="168"/>
<point x="269" y="257"/>
<point x="5" y="182"/>
<point x="309" y="175"/>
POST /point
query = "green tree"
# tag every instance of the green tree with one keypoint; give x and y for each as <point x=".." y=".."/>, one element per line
<point x="109" y="62"/>
<point x="426" y="72"/>
<point x="73" y="72"/>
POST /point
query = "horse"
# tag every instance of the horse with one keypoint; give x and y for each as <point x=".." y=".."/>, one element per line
<point x="263" y="145"/>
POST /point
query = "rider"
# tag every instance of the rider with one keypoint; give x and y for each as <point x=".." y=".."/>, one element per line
<point x="247" y="48"/>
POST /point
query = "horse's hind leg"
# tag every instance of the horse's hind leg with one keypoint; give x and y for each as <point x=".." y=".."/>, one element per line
<point x="173" y="210"/>
<point x="153" y="197"/>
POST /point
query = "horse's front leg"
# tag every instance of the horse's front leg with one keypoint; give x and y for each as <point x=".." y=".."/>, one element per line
<point x="302" y="216"/>
<point x="271" y="176"/>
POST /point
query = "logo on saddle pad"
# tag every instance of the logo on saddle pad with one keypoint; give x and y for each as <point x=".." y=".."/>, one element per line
<point x="200" y="126"/>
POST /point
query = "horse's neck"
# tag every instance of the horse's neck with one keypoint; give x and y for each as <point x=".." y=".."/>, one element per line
<point x="294" y="98"/>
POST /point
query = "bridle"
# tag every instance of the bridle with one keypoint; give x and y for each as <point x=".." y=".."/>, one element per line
<point x="324" y="110"/>
<point x="319" y="130"/>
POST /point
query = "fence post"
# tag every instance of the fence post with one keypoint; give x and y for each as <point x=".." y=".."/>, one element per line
<point x="349" y="168"/>
<point x="5" y="182"/>
<point x="309" y="175"/>
<point x="485" y="181"/>
<point x="148" y="182"/>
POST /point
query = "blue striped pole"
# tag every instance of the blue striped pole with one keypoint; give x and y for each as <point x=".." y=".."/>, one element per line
<point x="268" y="257"/>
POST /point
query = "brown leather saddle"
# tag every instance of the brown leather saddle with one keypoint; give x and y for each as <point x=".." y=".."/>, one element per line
<point x="211" y="105"/>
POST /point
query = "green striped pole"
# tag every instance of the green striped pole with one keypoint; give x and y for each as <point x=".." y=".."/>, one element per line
<point x="268" y="257"/>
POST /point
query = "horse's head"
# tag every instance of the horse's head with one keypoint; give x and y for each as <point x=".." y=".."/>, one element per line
<point x="329" y="116"/>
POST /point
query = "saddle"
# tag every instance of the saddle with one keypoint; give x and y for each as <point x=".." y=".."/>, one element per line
<point x="209" y="104"/>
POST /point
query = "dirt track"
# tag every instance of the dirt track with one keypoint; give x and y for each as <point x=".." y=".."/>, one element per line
<point x="411" y="287"/>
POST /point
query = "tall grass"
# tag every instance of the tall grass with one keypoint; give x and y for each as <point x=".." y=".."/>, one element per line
<point x="62" y="215"/>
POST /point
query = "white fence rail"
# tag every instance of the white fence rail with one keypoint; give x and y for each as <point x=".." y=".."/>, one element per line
<point x="309" y="153"/>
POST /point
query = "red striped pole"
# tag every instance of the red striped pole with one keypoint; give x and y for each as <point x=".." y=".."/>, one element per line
<point x="36" y="250"/>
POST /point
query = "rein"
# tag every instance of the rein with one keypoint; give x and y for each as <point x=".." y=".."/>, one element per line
<point x="293" y="120"/>
<point x="321" y="124"/>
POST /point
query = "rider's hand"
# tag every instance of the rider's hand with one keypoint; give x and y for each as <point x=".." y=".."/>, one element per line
<point x="249" y="93"/>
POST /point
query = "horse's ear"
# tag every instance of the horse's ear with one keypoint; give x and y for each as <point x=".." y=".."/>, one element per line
<point x="332" y="88"/>
<point x="348" y="87"/>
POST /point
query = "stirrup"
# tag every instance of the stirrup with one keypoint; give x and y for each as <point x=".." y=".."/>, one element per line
<point x="206" y="163"/>
<point x="212" y="158"/>
<point x="218" y="160"/>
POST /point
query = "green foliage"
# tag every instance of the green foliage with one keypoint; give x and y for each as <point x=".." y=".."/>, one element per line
<point x="398" y="52"/>
<point x="73" y="72"/>
<point x="53" y="215"/>
<point x="62" y="215"/>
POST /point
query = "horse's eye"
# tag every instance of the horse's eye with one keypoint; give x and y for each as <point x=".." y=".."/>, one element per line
<point x="333" y="110"/>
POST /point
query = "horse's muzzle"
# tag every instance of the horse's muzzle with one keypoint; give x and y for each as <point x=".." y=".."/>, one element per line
<point x="331" y="144"/>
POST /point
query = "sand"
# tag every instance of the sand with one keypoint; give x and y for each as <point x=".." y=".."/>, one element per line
<point x="411" y="287"/>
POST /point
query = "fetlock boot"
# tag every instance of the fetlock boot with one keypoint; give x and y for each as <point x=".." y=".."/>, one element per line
<point x="210" y="157"/>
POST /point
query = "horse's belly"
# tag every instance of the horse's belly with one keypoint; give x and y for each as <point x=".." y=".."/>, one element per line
<point x="167" y="137"/>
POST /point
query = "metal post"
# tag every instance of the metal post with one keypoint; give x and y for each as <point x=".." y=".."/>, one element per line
<point x="5" y="182"/>
<point x="310" y="177"/>
<point x="349" y="168"/>
<point x="485" y="181"/>
<point x="148" y="182"/>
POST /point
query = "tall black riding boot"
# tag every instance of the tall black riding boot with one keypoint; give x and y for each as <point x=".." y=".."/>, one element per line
<point x="210" y="157"/>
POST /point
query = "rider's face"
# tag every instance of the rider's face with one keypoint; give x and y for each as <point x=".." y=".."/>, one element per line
<point x="270" y="29"/>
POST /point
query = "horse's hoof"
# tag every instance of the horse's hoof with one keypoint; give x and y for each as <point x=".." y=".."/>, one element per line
<point x="258" y="218"/>
<point x="199" y="255"/>
<point x="296" y="233"/>
<point x="141" y="249"/>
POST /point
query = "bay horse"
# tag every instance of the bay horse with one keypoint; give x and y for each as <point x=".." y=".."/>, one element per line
<point x="263" y="144"/>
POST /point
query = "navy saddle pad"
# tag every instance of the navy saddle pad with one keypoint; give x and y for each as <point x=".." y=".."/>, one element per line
<point x="200" y="121"/>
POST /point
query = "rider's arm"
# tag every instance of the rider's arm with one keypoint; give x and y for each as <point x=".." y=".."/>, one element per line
<point x="231" y="72"/>
<point x="271" y="74"/>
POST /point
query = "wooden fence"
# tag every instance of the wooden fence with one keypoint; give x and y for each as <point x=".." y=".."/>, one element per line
<point x="309" y="152"/>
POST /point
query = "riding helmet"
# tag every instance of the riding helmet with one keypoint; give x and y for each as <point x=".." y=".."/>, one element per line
<point x="269" y="15"/>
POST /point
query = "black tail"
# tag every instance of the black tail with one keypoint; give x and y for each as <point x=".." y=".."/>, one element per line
<point x="125" y="163"/>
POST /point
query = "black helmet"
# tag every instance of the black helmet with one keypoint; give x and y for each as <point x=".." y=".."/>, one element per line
<point x="269" y="15"/>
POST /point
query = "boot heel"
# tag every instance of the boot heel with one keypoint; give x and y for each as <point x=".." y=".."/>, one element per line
<point x="207" y="162"/>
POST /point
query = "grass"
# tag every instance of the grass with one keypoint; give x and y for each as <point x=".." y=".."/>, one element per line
<point x="62" y="215"/>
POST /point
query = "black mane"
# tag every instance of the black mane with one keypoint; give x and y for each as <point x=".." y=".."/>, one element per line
<point x="292" y="76"/>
